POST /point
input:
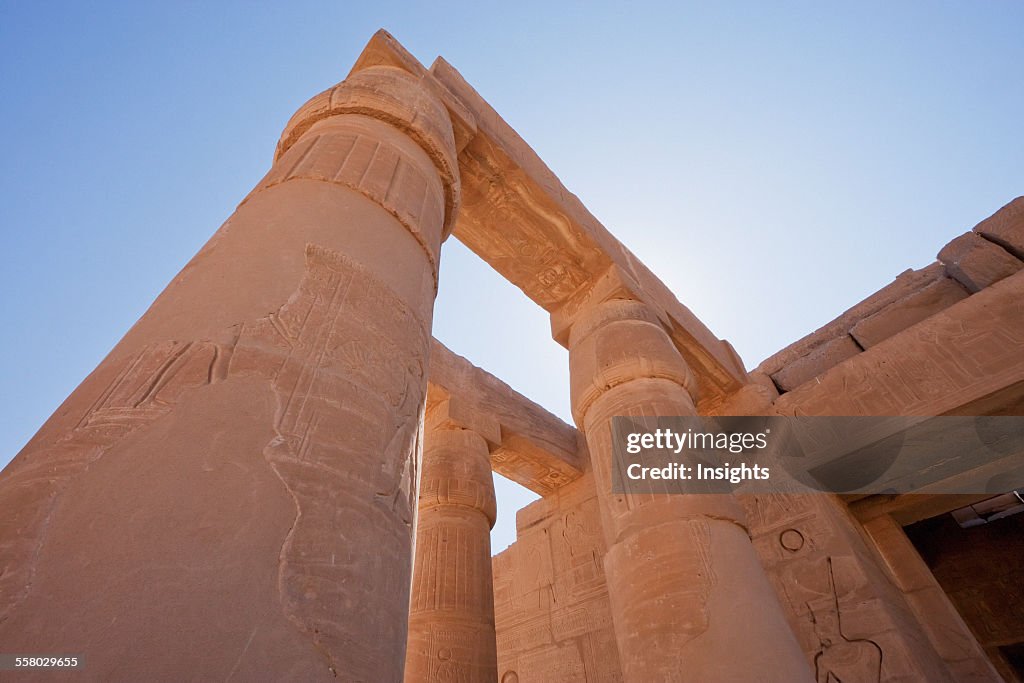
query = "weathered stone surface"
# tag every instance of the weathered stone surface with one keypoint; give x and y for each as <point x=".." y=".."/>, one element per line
<point x="966" y="357"/>
<point x="232" y="494"/>
<point x="977" y="263"/>
<point x="551" y="600"/>
<point x="980" y="570"/>
<point x="529" y="445"/>
<point x="970" y="351"/>
<point x="1003" y="228"/>
<point x="689" y="599"/>
<point x="851" y="622"/>
<point x="235" y="483"/>
<point x="905" y="284"/>
<point x="451" y="615"/>
<point x="944" y="626"/>
<point x="390" y="94"/>
<point x="1006" y="228"/>
<point x="816" y="362"/>
<point x="908" y="311"/>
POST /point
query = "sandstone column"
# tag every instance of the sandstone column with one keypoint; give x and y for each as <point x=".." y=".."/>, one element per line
<point x="690" y="600"/>
<point x="451" y="619"/>
<point x="230" y="494"/>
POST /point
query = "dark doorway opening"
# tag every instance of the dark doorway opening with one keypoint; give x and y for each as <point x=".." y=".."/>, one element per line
<point x="981" y="568"/>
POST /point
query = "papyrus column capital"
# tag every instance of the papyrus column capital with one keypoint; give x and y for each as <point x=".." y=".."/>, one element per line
<point x="457" y="472"/>
<point x="398" y="98"/>
<point x="616" y="342"/>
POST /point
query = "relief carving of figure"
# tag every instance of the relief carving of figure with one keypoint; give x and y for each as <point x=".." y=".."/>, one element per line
<point x="841" y="659"/>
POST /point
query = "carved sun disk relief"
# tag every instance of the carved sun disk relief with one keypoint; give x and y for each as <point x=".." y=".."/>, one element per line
<point x="791" y="539"/>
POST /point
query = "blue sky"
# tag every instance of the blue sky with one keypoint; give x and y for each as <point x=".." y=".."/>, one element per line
<point x="774" y="163"/>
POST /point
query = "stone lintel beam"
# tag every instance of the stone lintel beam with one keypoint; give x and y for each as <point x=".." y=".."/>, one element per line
<point x="519" y="218"/>
<point x="909" y="508"/>
<point x="965" y="360"/>
<point x="528" y="444"/>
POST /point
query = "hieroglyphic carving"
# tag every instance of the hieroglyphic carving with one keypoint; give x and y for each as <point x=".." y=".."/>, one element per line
<point x="334" y="338"/>
<point x="841" y="658"/>
<point x="792" y="540"/>
<point x="551" y="600"/>
<point x="704" y="575"/>
<point x="408" y="103"/>
<point x="967" y="351"/>
<point x="451" y="615"/>
<point x="823" y="572"/>
<point x="557" y="662"/>
<point x="543" y="251"/>
<point x="542" y="477"/>
<point x="145" y="388"/>
<point x="359" y="159"/>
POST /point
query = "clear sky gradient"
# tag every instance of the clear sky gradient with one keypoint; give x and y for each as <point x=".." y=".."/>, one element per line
<point x="774" y="163"/>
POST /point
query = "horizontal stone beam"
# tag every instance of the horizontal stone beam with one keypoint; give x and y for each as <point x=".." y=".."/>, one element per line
<point x="519" y="218"/>
<point x="528" y="444"/>
<point x="992" y="251"/>
<point x="955" y="362"/>
<point x="909" y="508"/>
<point x="965" y="360"/>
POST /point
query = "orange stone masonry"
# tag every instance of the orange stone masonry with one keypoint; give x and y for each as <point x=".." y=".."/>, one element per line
<point x="277" y="474"/>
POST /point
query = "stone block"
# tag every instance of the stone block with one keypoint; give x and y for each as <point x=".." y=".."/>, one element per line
<point x="977" y="263"/>
<point x="815" y="363"/>
<point x="752" y="399"/>
<point x="905" y="284"/>
<point x="954" y="360"/>
<point x="908" y="311"/>
<point x="1006" y="227"/>
<point x="891" y="542"/>
<point x="458" y="413"/>
<point x="536" y="513"/>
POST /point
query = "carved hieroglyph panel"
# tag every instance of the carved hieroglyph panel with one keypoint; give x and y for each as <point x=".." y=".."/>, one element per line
<point x="539" y="472"/>
<point x="851" y="622"/>
<point x="551" y="609"/>
<point x="350" y="389"/>
<point x="535" y="245"/>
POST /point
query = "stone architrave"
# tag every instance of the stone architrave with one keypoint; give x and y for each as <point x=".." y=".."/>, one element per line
<point x="231" y="493"/>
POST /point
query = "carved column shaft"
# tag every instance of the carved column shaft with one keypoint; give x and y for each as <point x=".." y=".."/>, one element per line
<point x="451" y="618"/>
<point x="231" y="492"/>
<point x="690" y="601"/>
